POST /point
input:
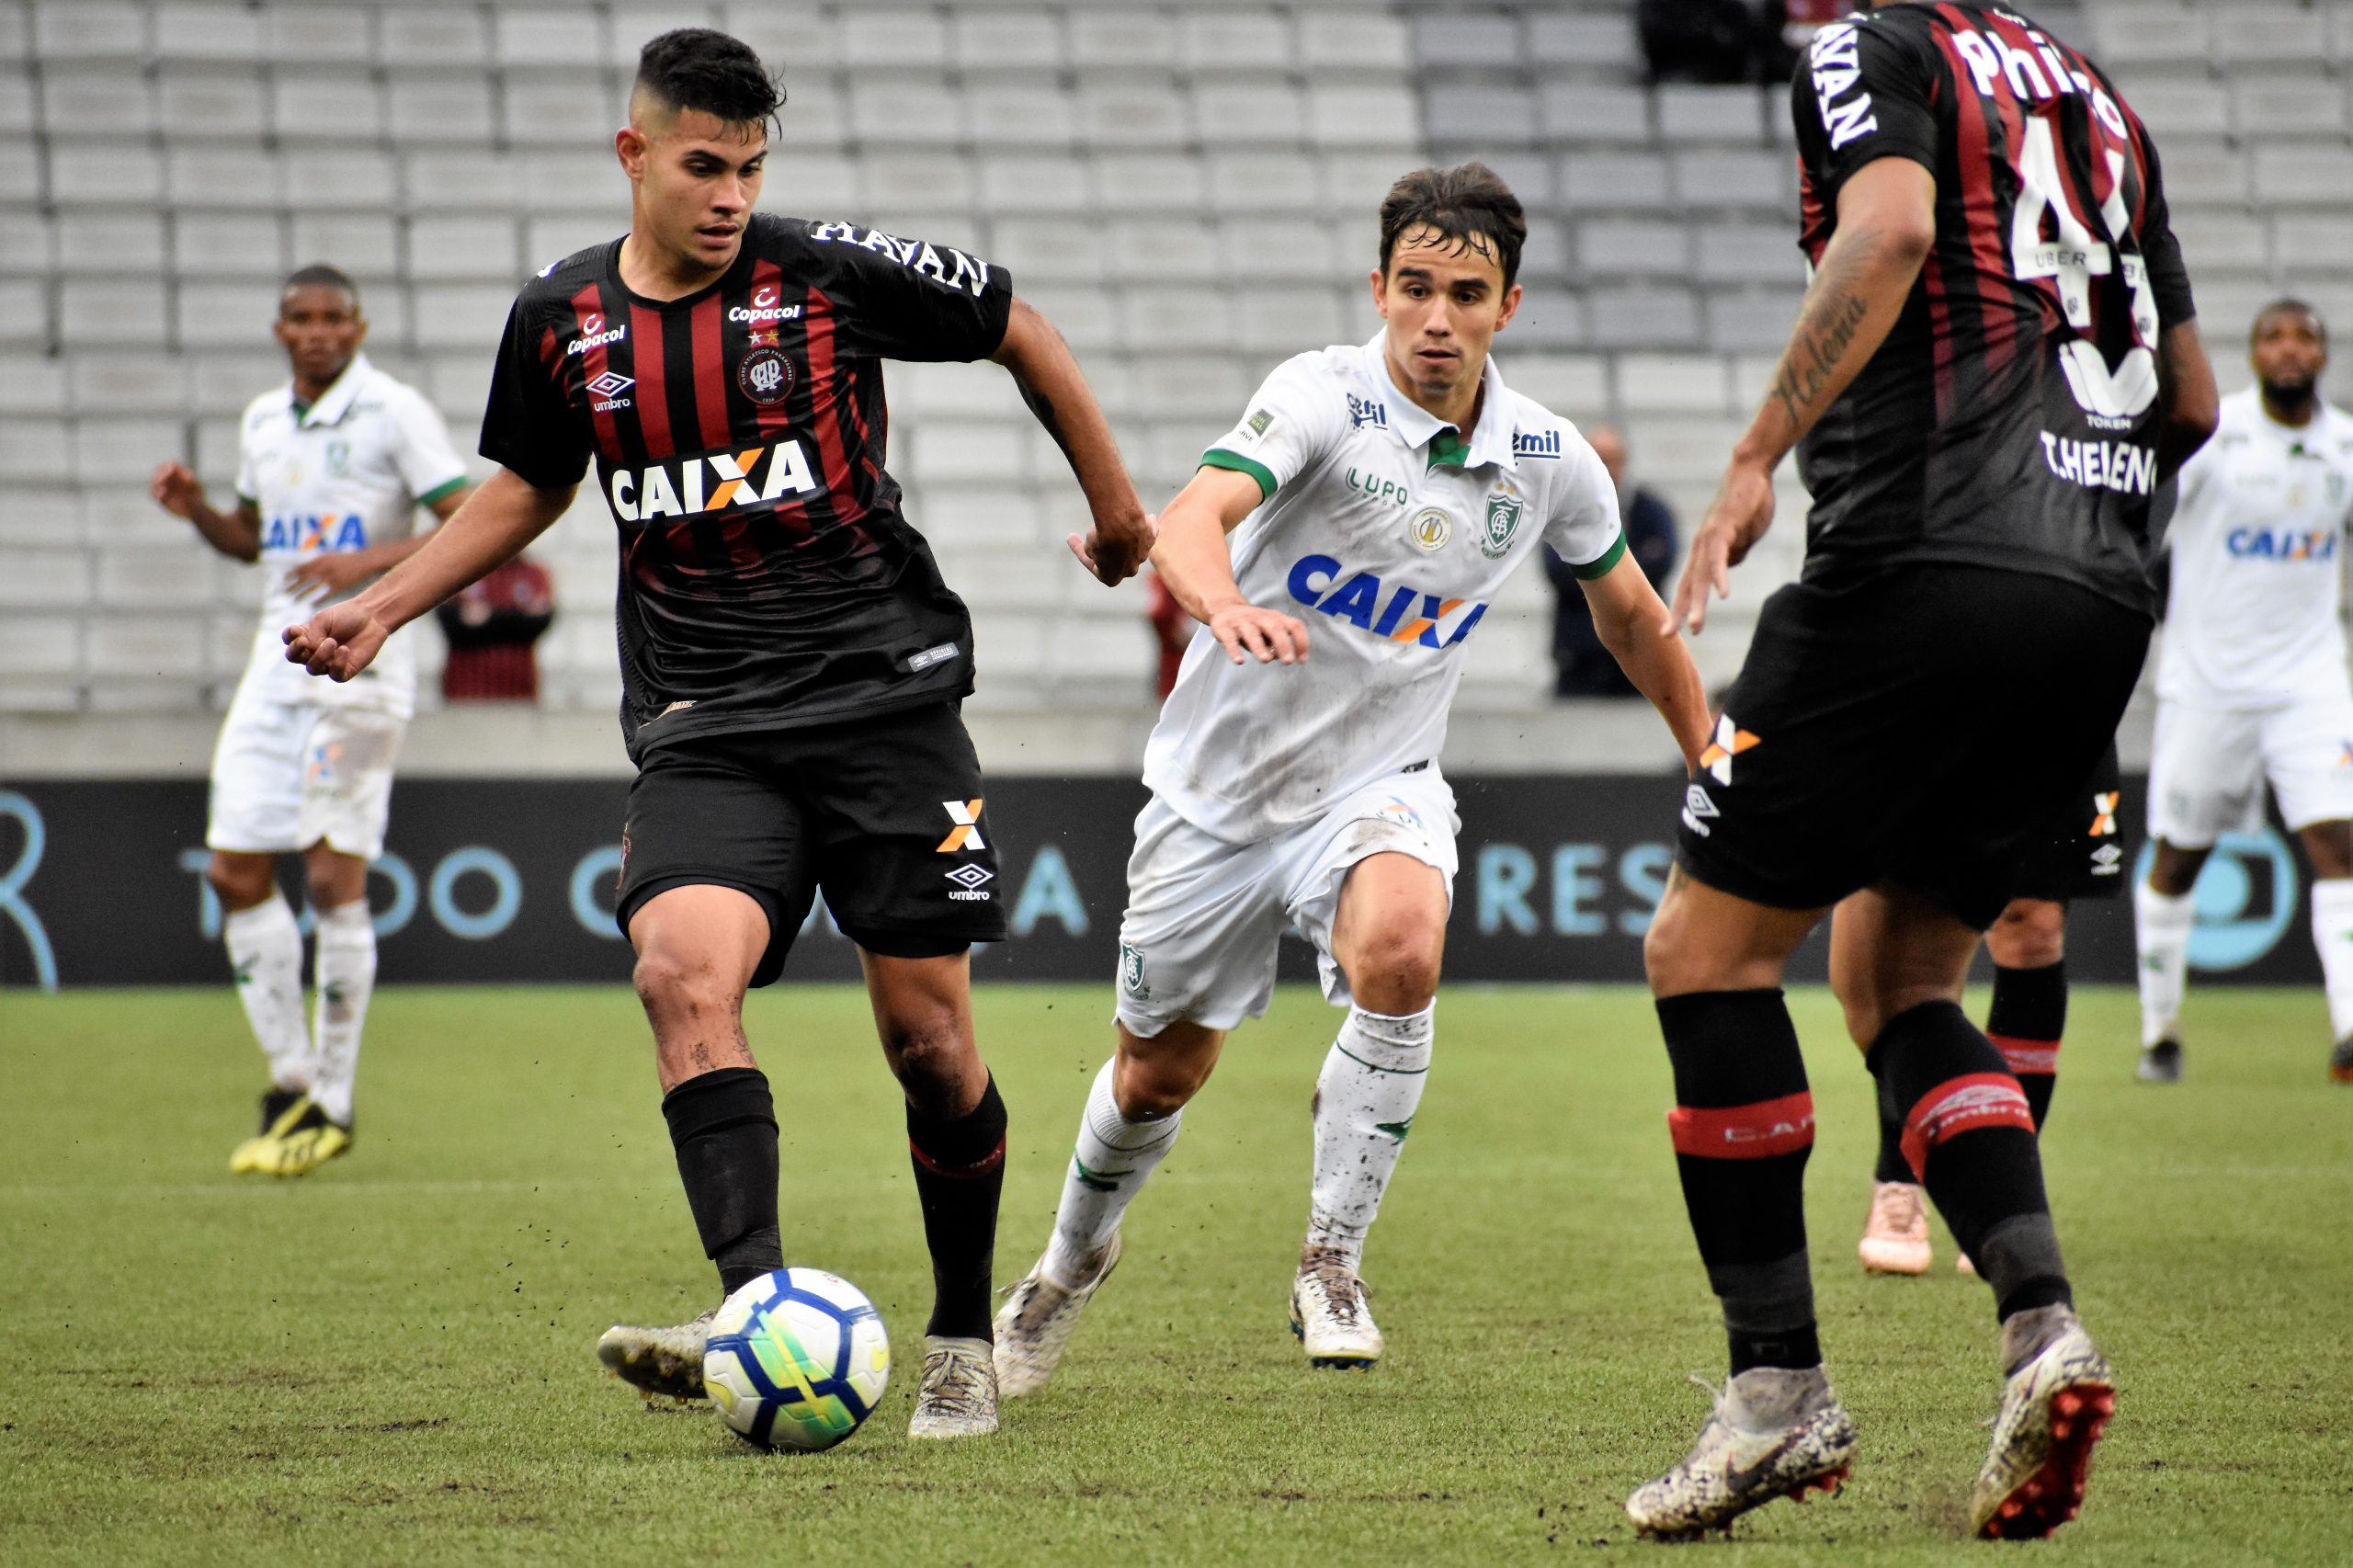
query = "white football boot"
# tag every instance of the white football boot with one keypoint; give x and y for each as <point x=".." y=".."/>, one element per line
<point x="957" y="1397"/>
<point x="1774" y="1433"/>
<point x="1034" y="1324"/>
<point x="1329" y="1314"/>
<point x="658" y="1360"/>
<point x="1895" y="1237"/>
<point x="2054" y="1409"/>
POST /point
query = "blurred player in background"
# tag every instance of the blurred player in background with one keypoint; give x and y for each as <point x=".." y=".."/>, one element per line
<point x="1390" y="488"/>
<point x="2251" y="681"/>
<point x="331" y="469"/>
<point x="2077" y="852"/>
<point x="791" y="663"/>
<point x="1994" y="365"/>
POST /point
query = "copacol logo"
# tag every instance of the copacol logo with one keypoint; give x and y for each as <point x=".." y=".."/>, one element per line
<point x="2245" y="898"/>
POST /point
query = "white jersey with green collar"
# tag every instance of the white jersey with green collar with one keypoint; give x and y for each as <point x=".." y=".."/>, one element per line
<point x="2251" y="619"/>
<point x="340" y="474"/>
<point x="1388" y="537"/>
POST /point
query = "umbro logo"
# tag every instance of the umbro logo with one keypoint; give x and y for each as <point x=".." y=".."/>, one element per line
<point x="611" y="386"/>
<point x="1698" y="808"/>
<point x="969" y="881"/>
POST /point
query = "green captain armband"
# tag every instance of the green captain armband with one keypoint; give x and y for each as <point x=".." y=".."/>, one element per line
<point x="1600" y="565"/>
<point x="1218" y="457"/>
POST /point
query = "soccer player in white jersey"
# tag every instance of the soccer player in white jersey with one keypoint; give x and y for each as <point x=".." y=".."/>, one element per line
<point x="331" y="470"/>
<point x="1379" y="493"/>
<point x="2251" y="683"/>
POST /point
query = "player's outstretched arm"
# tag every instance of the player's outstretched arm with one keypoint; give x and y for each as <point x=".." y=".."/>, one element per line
<point x="491" y="528"/>
<point x="1887" y="223"/>
<point x="1192" y="560"/>
<point x="1056" y="391"/>
<point x="2185" y="394"/>
<point x="1627" y="615"/>
<point x="237" y="535"/>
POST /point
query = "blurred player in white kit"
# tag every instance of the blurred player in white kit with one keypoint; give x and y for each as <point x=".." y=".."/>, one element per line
<point x="331" y="469"/>
<point x="2252" y="684"/>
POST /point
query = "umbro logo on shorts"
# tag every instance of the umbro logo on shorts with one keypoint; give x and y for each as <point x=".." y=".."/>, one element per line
<point x="966" y="833"/>
<point x="1697" y="809"/>
<point x="971" y="878"/>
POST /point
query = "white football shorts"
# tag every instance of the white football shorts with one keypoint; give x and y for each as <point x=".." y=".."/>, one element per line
<point x="288" y="775"/>
<point x="2207" y="772"/>
<point x="1205" y="917"/>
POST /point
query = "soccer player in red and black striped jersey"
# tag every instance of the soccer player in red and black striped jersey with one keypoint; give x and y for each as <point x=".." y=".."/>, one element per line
<point x="1995" y="365"/>
<point x="791" y="662"/>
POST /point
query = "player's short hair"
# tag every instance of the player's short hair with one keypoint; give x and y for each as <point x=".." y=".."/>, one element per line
<point x="704" y="70"/>
<point x="2286" y="305"/>
<point x="319" y="274"/>
<point x="1469" y="204"/>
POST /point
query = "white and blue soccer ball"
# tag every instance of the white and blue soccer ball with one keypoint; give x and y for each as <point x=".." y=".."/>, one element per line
<point x="797" y="1358"/>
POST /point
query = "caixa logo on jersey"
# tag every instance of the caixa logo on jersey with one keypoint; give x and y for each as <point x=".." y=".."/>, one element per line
<point x="1399" y="613"/>
<point x="711" y="481"/>
<point x="330" y="532"/>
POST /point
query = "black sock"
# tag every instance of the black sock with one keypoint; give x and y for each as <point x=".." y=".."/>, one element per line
<point x="1970" y="1138"/>
<point x="1891" y="1164"/>
<point x="2027" y="1021"/>
<point x="960" y="1173"/>
<point x="1743" y="1127"/>
<point x="723" y="1125"/>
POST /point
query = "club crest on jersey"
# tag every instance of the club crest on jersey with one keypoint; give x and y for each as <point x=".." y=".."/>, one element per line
<point x="1429" y="528"/>
<point x="1132" y="972"/>
<point x="711" y="482"/>
<point x="339" y="458"/>
<point x="765" y="376"/>
<point x="1398" y="612"/>
<point x="1504" y="511"/>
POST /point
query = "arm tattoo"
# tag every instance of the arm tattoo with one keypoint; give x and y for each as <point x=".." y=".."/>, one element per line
<point x="1823" y="337"/>
<point x="1040" y="405"/>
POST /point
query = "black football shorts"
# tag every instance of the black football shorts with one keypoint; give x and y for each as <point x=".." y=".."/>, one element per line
<point x="2077" y="851"/>
<point x="1915" y="729"/>
<point x="883" y="816"/>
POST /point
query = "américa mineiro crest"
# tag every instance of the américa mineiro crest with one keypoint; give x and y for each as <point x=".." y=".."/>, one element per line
<point x="1504" y="511"/>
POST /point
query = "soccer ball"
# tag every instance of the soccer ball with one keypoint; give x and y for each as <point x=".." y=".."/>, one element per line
<point x="796" y="1359"/>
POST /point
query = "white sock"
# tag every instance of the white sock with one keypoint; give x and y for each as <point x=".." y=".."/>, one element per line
<point x="347" y="980"/>
<point x="1106" y="1170"/>
<point x="265" y="953"/>
<point x="1365" y="1099"/>
<point x="2332" y="935"/>
<point x="2161" y="925"/>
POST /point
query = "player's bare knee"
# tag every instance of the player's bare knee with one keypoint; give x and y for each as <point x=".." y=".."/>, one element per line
<point x="674" y="984"/>
<point x="1395" y="970"/>
<point x="2173" y="870"/>
<point x="2030" y="934"/>
<point x="932" y="1054"/>
<point x="1150" y="1084"/>
<point x="241" y="882"/>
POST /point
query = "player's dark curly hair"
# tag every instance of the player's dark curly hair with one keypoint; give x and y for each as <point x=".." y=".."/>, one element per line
<point x="697" y="68"/>
<point x="320" y="275"/>
<point x="1469" y="204"/>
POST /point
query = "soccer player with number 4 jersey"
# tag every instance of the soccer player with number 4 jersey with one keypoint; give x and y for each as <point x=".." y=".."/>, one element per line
<point x="2251" y="679"/>
<point x="331" y="469"/>
<point x="1367" y="506"/>
<point x="1995" y="364"/>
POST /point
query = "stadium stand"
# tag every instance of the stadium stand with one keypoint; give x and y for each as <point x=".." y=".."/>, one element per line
<point x="1187" y="190"/>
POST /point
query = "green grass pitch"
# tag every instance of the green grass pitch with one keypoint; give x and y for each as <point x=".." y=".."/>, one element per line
<point x="391" y="1362"/>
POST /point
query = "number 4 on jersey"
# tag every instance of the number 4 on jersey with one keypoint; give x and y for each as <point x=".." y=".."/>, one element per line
<point x="2075" y="259"/>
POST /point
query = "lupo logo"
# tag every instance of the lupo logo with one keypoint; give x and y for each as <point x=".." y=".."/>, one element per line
<point x="2247" y="898"/>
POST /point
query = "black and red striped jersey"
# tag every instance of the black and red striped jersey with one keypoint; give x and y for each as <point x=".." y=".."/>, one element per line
<point x="2010" y="418"/>
<point x="768" y="577"/>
